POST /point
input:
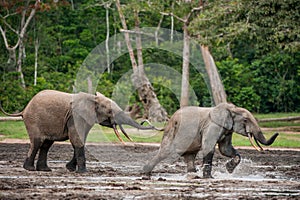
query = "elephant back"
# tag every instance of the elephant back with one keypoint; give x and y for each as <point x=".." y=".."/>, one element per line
<point x="48" y="106"/>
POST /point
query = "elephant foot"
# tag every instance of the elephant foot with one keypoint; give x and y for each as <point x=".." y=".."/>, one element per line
<point x="41" y="165"/>
<point x="207" y="171"/>
<point x="29" y="167"/>
<point x="81" y="171"/>
<point x="192" y="176"/>
<point x="231" y="165"/>
<point x="43" y="168"/>
<point x="71" y="167"/>
<point x="147" y="170"/>
<point x="191" y="169"/>
<point x="81" y="168"/>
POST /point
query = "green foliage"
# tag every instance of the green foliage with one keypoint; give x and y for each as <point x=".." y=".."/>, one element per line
<point x="277" y="82"/>
<point x="261" y="39"/>
<point x="12" y="94"/>
<point x="165" y="96"/>
<point x="266" y="25"/>
<point x="66" y="36"/>
<point x="237" y="80"/>
<point x="269" y="84"/>
<point x="255" y="44"/>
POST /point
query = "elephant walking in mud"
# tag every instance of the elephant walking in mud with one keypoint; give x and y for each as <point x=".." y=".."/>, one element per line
<point x="57" y="116"/>
<point x="192" y="129"/>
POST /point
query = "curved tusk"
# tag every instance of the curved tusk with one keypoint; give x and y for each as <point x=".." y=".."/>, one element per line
<point x="144" y="121"/>
<point x="126" y="135"/>
<point x="252" y="143"/>
<point x="117" y="134"/>
<point x="258" y="144"/>
<point x="153" y="127"/>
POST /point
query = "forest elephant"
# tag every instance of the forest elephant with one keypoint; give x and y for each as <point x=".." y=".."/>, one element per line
<point x="57" y="116"/>
<point x="192" y="129"/>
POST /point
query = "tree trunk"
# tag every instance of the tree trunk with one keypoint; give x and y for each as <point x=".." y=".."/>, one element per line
<point x="19" y="64"/>
<point x="107" y="38"/>
<point x="153" y="110"/>
<point x="12" y="59"/>
<point x="172" y="24"/>
<point x="184" y="99"/>
<point x="217" y="88"/>
<point x="157" y="29"/>
<point x="36" y="48"/>
<point x="22" y="28"/>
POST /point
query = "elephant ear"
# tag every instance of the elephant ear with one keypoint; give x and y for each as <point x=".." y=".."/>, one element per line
<point x="222" y="116"/>
<point x="83" y="108"/>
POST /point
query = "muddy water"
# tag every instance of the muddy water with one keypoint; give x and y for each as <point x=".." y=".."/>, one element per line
<point x="115" y="173"/>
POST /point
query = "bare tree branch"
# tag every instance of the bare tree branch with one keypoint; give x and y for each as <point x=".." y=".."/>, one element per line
<point x="32" y="13"/>
<point x="137" y="32"/>
<point x="186" y="18"/>
<point x="172" y="14"/>
<point x="10" y="28"/>
<point x="5" y="40"/>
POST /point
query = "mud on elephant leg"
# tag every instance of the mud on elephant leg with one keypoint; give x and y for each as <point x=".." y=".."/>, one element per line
<point x="71" y="166"/>
<point x="207" y="165"/>
<point x="189" y="159"/>
<point x="80" y="159"/>
<point x="226" y="149"/>
<point x="231" y="165"/>
<point x="163" y="153"/>
<point x="42" y="160"/>
<point x="34" y="147"/>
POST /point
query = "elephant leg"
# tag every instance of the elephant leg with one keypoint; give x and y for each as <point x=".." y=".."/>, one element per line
<point x="80" y="159"/>
<point x="226" y="149"/>
<point x="209" y="140"/>
<point x="71" y="166"/>
<point x="35" y="144"/>
<point x="189" y="159"/>
<point x="77" y="137"/>
<point x="42" y="160"/>
<point x="207" y="165"/>
<point x="163" y="153"/>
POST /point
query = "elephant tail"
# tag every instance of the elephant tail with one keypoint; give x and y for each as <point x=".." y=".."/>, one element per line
<point x="20" y="114"/>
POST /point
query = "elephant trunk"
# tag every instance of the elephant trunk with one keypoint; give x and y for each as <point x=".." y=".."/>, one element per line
<point x="261" y="138"/>
<point x="122" y="118"/>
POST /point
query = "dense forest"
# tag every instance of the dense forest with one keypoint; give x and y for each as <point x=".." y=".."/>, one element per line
<point x="255" y="45"/>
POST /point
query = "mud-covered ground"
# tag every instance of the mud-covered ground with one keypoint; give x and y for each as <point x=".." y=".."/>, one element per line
<point x="115" y="173"/>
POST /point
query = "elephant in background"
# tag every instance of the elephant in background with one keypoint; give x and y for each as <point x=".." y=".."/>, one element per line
<point x="57" y="116"/>
<point x="192" y="129"/>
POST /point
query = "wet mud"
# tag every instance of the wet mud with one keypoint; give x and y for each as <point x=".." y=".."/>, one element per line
<point x="115" y="173"/>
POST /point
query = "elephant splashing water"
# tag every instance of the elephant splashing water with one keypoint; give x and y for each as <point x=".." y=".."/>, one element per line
<point x="192" y="129"/>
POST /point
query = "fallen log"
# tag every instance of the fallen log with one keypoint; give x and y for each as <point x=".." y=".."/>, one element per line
<point x="280" y="119"/>
<point x="295" y="129"/>
<point x="2" y="119"/>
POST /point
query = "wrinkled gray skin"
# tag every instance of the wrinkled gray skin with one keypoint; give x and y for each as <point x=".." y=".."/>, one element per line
<point x="192" y="129"/>
<point x="57" y="116"/>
